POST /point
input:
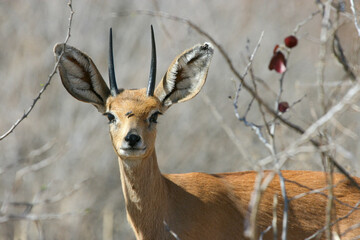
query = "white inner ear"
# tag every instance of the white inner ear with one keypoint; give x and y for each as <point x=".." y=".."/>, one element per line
<point x="186" y="75"/>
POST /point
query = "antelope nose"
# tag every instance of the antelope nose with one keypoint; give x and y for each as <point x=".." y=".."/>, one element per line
<point x="132" y="139"/>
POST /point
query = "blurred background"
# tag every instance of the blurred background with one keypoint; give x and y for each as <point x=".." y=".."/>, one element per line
<point x="60" y="158"/>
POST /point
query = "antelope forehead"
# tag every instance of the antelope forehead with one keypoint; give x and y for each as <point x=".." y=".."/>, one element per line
<point x="138" y="106"/>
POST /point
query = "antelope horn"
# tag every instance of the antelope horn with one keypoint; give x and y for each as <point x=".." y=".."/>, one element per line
<point x="152" y="76"/>
<point x="112" y="80"/>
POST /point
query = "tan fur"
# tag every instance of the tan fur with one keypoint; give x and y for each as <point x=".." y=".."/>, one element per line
<point x="197" y="205"/>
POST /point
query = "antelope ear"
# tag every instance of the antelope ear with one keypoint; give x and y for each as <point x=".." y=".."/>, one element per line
<point x="185" y="76"/>
<point x="80" y="76"/>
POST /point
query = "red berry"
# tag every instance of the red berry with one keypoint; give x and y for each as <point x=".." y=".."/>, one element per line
<point x="278" y="62"/>
<point x="290" y="41"/>
<point x="283" y="106"/>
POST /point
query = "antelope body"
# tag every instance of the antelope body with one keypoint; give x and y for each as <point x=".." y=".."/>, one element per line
<point x="192" y="205"/>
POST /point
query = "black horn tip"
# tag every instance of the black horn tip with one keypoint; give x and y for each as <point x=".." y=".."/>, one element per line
<point x="112" y="80"/>
<point x="152" y="75"/>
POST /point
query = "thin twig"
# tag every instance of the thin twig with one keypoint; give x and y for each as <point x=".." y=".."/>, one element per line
<point x="317" y="191"/>
<point x="170" y="231"/>
<point x="261" y="184"/>
<point x="19" y="177"/>
<point x="274" y="220"/>
<point x="352" y="6"/>
<point x="286" y="205"/>
<point x="330" y="198"/>
<point x="229" y="131"/>
<point x="260" y="107"/>
<point x="272" y="149"/>
<point x="256" y="128"/>
<point x="253" y="126"/>
<point x="28" y="111"/>
<point x="250" y="220"/>
<point x="335" y="222"/>
<point x="61" y="195"/>
<point x="348" y="99"/>
<point x="270" y="145"/>
<point x="261" y="237"/>
<point x="34" y="217"/>
<point x="58" y="197"/>
<point x="251" y="59"/>
<point x="355" y="226"/>
<point x="302" y="23"/>
<point x="340" y="56"/>
<point x="325" y="23"/>
<point x="33" y="168"/>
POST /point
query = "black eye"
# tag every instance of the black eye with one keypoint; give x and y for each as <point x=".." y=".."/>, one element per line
<point x="154" y="116"/>
<point x="110" y="116"/>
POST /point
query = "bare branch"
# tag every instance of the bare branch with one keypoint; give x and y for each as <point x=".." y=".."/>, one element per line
<point x="261" y="237"/>
<point x="33" y="168"/>
<point x="344" y="130"/>
<point x="251" y="59"/>
<point x="350" y="97"/>
<point x="317" y="191"/>
<point x="286" y="204"/>
<point x="230" y="133"/>
<point x="60" y="196"/>
<point x="34" y="217"/>
<point x="325" y="23"/>
<point x="335" y="222"/>
<point x="330" y="198"/>
<point x="302" y="23"/>
<point x="352" y="6"/>
<point x="274" y="220"/>
<point x="340" y="56"/>
<point x="28" y="111"/>
<point x="256" y="128"/>
<point x="170" y="231"/>
<point x="355" y="226"/>
<point x="19" y="177"/>
<point x="41" y="150"/>
<point x="250" y="220"/>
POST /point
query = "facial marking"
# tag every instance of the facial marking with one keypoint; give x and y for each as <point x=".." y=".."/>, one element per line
<point x="129" y="114"/>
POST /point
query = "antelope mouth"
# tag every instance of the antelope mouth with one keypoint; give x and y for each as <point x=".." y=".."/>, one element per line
<point x="132" y="152"/>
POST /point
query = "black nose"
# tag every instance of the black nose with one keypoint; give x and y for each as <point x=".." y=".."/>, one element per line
<point x="132" y="139"/>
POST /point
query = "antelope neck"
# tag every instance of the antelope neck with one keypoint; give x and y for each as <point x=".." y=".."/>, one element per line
<point x="144" y="190"/>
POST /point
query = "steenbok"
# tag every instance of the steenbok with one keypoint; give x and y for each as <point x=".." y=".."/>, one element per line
<point x="194" y="205"/>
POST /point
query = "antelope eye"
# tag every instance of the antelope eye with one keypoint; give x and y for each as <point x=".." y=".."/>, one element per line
<point x="110" y="116"/>
<point x="153" y="117"/>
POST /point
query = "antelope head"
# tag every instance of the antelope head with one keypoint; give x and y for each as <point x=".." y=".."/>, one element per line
<point x="133" y="114"/>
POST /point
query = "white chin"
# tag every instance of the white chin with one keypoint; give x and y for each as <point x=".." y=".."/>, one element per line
<point x="132" y="153"/>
